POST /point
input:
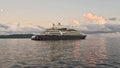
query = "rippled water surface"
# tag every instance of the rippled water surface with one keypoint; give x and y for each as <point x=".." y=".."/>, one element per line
<point x="89" y="53"/>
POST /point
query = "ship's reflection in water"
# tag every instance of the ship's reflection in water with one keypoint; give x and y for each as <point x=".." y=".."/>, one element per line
<point x="24" y="53"/>
<point x="90" y="54"/>
<point x="94" y="53"/>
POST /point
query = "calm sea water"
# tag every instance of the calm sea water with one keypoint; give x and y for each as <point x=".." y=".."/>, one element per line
<point x="89" y="53"/>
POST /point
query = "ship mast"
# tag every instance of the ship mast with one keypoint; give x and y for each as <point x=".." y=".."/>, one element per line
<point x="59" y="25"/>
<point x="53" y="26"/>
<point x="56" y="26"/>
<point x="18" y="27"/>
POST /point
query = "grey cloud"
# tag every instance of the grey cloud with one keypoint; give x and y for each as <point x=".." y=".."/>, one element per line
<point x="113" y="19"/>
<point x="40" y="27"/>
<point x="97" y="29"/>
<point x="4" y="26"/>
<point x="92" y="28"/>
<point x="107" y="28"/>
<point x="85" y="28"/>
<point x="7" y="29"/>
<point x="114" y="27"/>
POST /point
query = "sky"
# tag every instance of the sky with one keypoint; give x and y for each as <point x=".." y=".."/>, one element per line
<point x="86" y="13"/>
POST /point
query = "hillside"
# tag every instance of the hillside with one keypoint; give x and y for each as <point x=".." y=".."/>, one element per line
<point x="17" y="36"/>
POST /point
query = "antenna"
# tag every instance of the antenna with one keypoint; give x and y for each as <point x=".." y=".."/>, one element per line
<point x="53" y="26"/>
<point x="59" y="25"/>
<point x="18" y="25"/>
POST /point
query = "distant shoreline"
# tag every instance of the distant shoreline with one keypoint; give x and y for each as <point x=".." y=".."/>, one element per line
<point x="16" y="36"/>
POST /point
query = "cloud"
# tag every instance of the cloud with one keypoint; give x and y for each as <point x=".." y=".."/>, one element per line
<point x="1" y="10"/>
<point x="87" y="28"/>
<point x="96" y="28"/>
<point x="3" y="26"/>
<point x="102" y="29"/>
<point x="11" y="29"/>
<point x="76" y="22"/>
<point x="94" y="18"/>
<point x="84" y="28"/>
<point x="113" y="19"/>
<point x="114" y="27"/>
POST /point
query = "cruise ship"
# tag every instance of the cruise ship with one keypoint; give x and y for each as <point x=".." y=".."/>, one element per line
<point x="58" y="32"/>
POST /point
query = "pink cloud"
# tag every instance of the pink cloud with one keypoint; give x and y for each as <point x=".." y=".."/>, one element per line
<point x="95" y="18"/>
